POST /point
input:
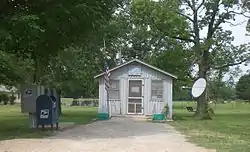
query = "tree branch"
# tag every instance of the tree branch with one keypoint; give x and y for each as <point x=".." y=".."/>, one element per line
<point x="235" y="24"/>
<point x="187" y="17"/>
<point x="196" y="28"/>
<point x="222" y="19"/>
<point x="179" y="38"/>
<point x="203" y="1"/>
<point x="211" y="27"/>
<point x="231" y="64"/>
<point x="189" y="4"/>
<point x="242" y="13"/>
<point x="184" y="39"/>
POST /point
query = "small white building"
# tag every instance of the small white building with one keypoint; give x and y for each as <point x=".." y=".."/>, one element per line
<point x="136" y="88"/>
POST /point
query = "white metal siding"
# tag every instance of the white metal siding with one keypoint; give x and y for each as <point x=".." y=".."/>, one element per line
<point x="170" y="97"/>
<point x="147" y="74"/>
<point x="122" y="95"/>
<point x="115" y="107"/>
<point x="125" y="98"/>
<point x="155" y="106"/>
<point x="147" y="96"/>
<point x="102" y="96"/>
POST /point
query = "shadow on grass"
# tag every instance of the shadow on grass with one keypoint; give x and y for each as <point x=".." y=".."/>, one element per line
<point x="14" y="124"/>
<point x="182" y="117"/>
<point x="17" y="127"/>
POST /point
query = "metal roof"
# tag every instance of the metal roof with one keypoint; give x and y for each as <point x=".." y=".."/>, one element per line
<point x="143" y="63"/>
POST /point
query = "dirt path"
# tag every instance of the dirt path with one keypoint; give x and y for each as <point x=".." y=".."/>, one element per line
<point x="115" y="135"/>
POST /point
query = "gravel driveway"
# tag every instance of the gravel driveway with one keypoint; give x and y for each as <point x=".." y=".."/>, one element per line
<point x="115" y="135"/>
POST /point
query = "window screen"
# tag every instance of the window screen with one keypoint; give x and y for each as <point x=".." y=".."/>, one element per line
<point x="135" y="88"/>
<point x="157" y="90"/>
<point x="114" y="91"/>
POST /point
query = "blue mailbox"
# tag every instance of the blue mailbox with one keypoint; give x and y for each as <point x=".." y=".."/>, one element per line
<point x="47" y="111"/>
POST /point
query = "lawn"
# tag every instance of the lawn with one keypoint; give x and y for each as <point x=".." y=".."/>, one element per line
<point x="228" y="132"/>
<point x="14" y="124"/>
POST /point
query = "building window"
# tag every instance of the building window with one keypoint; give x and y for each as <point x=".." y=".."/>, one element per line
<point x="114" y="91"/>
<point x="157" y="90"/>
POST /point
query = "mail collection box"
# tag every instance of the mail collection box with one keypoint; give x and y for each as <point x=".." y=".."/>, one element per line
<point x="29" y="94"/>
<point x="41" y="104"/>
<point x="47" y="111"/>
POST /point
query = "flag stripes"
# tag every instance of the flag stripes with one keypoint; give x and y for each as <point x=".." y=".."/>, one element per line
<point x="106" y="76"/>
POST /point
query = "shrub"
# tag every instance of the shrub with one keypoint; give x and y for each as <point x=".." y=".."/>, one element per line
<point x="209" y="112"/>
<point x="166" y="110"/>
<point x="4" y="98"/>
<point x="84" y="102"/>
<point x="75" y="102"/>
<point x="12" y="99"/>
<point x="95" y="103"/>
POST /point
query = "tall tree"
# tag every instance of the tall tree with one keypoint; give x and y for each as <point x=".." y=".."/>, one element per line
<point x="38" y="30"/>
<point x="147" y="27"/>
<point x="243" y="87"/>
<point x="155" y="27"/>
<point x="215" y="50"/>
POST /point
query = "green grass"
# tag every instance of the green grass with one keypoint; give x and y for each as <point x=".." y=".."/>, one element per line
<point x="14" y="124"/>
<point x="229" y="131"/>
<point x="78" y="115"/>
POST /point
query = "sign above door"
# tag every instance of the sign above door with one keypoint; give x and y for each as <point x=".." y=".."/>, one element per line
<point x="134" y="70"/>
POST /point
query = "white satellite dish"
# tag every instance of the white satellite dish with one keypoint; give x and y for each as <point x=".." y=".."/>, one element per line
<point x="199" y="87"/>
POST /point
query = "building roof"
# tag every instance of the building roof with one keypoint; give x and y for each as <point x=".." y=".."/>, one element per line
<point x="140" y="62"/>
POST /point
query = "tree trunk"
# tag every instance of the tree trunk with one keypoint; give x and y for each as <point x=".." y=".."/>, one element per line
<point x="202" y="99"/>
<point x="201" y="106"/>
<point x="202" y="111"/>
<point x="60" y="102"/>
<point x="37" y="71"/>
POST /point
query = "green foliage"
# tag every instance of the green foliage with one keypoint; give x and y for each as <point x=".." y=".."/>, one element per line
<point x="221" y="91"/>
<point x="4" y="97"/>
<point x="78" y="64"/>
<point x="147" y="27"/>
<point x="36" y="31"/>
<point x="209" y="112"/>
<point x="167" y="61"/>
<point x="166" y="110"/>
<point x="12" y="99"/>
<point x="243" y="87"/>
<point x="72" y="71"/>
<point x="8" y="73"/>
<point x="151" y="24"/>
<point x="182" y="94"/>
<point x="84" y="102"/>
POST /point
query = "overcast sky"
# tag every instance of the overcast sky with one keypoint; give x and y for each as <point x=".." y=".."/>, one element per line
<point x="239" y="33"/>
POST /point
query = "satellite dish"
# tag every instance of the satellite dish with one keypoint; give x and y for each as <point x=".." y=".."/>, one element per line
<point x="199" y="87"/>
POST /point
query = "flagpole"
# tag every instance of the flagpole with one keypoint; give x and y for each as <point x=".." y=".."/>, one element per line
<point x="106" y="88"/>
<point x="108" y="103"/>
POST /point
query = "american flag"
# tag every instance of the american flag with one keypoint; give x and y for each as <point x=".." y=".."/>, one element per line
<point x="106" y="76"/>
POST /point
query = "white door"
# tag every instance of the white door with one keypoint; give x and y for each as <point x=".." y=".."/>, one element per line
<point x="135" y="97"/>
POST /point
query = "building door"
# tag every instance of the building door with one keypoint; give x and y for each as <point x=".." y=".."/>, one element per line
<point x="135" y="97"/>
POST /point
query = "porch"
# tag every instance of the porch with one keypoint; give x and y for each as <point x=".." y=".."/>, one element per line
<point x="133" y="108"/>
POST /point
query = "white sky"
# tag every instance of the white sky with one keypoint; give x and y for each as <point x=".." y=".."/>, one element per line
<point x="239" y="33"/>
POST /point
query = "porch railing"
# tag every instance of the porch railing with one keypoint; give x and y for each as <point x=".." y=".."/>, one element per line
<point x="155" y="106"/>
<point x="114" y="107"/>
